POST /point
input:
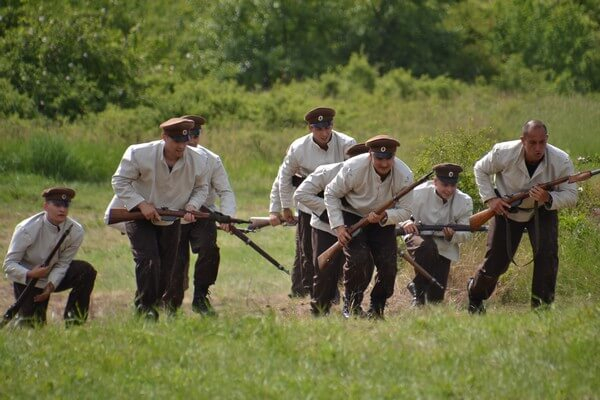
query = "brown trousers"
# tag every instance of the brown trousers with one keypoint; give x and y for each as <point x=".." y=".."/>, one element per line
<point x="499" y="256"/>
<point x="154" y="250"/>
<point x="425" y="252"/>
<point x="325" y="281"/>
<point x="80" y="278"/>
<point x="374" y="247"/>
<point x="202" y="237"/>
<point x="303" y="270"/>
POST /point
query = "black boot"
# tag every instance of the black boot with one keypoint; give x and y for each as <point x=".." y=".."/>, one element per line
<point x="475" y="305"/>
<point x="376" y="309"/>
<point x="147" y="313"/>
<point x="352" y="307"/>
<point x="418" y="295"/>
<point x="201" y="303"/>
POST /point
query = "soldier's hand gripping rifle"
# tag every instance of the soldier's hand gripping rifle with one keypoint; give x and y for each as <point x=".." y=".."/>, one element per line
<point x="325" y="258"/>
<point x="438" y="228"/>
<point x="117" y="215"/>
<point x="14" y="309"/>
<point x="477" y="220"/>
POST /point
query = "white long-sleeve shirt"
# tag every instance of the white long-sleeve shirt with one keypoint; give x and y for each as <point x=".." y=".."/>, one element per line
<point x="31" y="243"/>
<point x="143" y="175"/>
<point x="304" y="156"/>
<point x="505" y="167"/>
<point x="429" y="208"/>
<point x="274" y="198"/>
<point x="364" y="191"/>
<point x="307" y="193"/>
<point x="219" y="185"/>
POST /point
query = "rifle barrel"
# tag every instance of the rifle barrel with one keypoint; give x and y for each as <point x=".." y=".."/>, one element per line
<point x="244" y="238"/>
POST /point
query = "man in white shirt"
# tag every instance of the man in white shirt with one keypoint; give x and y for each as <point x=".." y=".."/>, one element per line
<point x="436" y="202"/>
<point x="276" y="218"/>
<point x="321" y="146"/>
<point x="163" y="173"/>
<point x="32" y="242"/>
<point x="517" y="166"/>
<point x="310" y="193"/>
<point x="201" y="235"/>
<point x="364" y="184"/>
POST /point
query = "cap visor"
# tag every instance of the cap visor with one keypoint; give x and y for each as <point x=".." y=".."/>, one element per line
<point x="181" y="138"/>
<point x="449" y="181"/>
<point x="385" y="156"/>
<point x="322" y="124"/>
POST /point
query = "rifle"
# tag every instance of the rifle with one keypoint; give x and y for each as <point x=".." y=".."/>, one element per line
<point x="116" y="215"/>
<point x="244" y="238"/>
<point x="325" y="258"/>
<point x="420" y="269"/>
<point x="477" y="220"/>
<point x="257" y="223"/>
<point x="14" y="309"/>
<point x="437" y="228"/>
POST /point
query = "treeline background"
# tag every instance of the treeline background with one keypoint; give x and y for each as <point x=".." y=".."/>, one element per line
<point x="65" y="59"/>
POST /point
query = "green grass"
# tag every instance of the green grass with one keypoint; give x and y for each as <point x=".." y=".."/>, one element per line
<point x="436" y="353"/>
<point x="264" y="345"/>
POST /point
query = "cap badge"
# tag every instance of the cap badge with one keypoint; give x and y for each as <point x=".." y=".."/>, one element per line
<point x="64" y="197"/>
<point x="320" y="118"/>
<point x="450" y="174"/>
<point x="185" y="132"/>
<point x="382" y="149"/>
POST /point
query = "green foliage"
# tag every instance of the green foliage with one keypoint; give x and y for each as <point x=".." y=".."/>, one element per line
<point x="556" y="40"/>
<point x="461" y="147"/>
<point x="14" y="103"/>
<point x="67" y="60"/>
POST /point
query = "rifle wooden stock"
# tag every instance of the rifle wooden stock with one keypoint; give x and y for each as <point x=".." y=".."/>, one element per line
<point x="325" y="258"/>
<point x="14" y="309"/>
<point x="480" y="218"/>
<point x="420" y="269"/>
<point x="438" y="228"/>
<point x="116" y="215"/>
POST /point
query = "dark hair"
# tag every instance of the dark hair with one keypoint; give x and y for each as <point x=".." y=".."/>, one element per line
<point x="533" y="123"/>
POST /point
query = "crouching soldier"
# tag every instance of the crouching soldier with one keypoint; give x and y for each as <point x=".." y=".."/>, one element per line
<point x="32" y="242"/>
<point x="436" y="202"/>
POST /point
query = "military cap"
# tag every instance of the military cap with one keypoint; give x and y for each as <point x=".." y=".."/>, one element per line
<point x="62" y="194"/>
<point x="382" y="146"/>
<point x="320" y="117"/>
<point x="447" y="172"/>
<point x="198" y="122"/>
<point x="178" y="128"/>
<point x="357" y="149"/>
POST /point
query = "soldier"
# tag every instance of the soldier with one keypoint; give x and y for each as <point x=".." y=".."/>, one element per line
<point x="31" y="243"/>
<point x="162" y="173"/>
<point x="202" y="234"/>
<point x="275" y="218"/>
<point x="364" y="184"/>
<point x="436" y="202"/>
<point x="310" y="194"/>
<point x="321" y="146"/>
<point x="517" y="166"/>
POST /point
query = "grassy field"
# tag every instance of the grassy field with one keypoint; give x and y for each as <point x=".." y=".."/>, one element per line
<point x="264" y="345"/>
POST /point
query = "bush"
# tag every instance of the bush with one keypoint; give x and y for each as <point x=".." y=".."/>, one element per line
<point x="461" y="147"/>
<point x="67" y="60"/>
